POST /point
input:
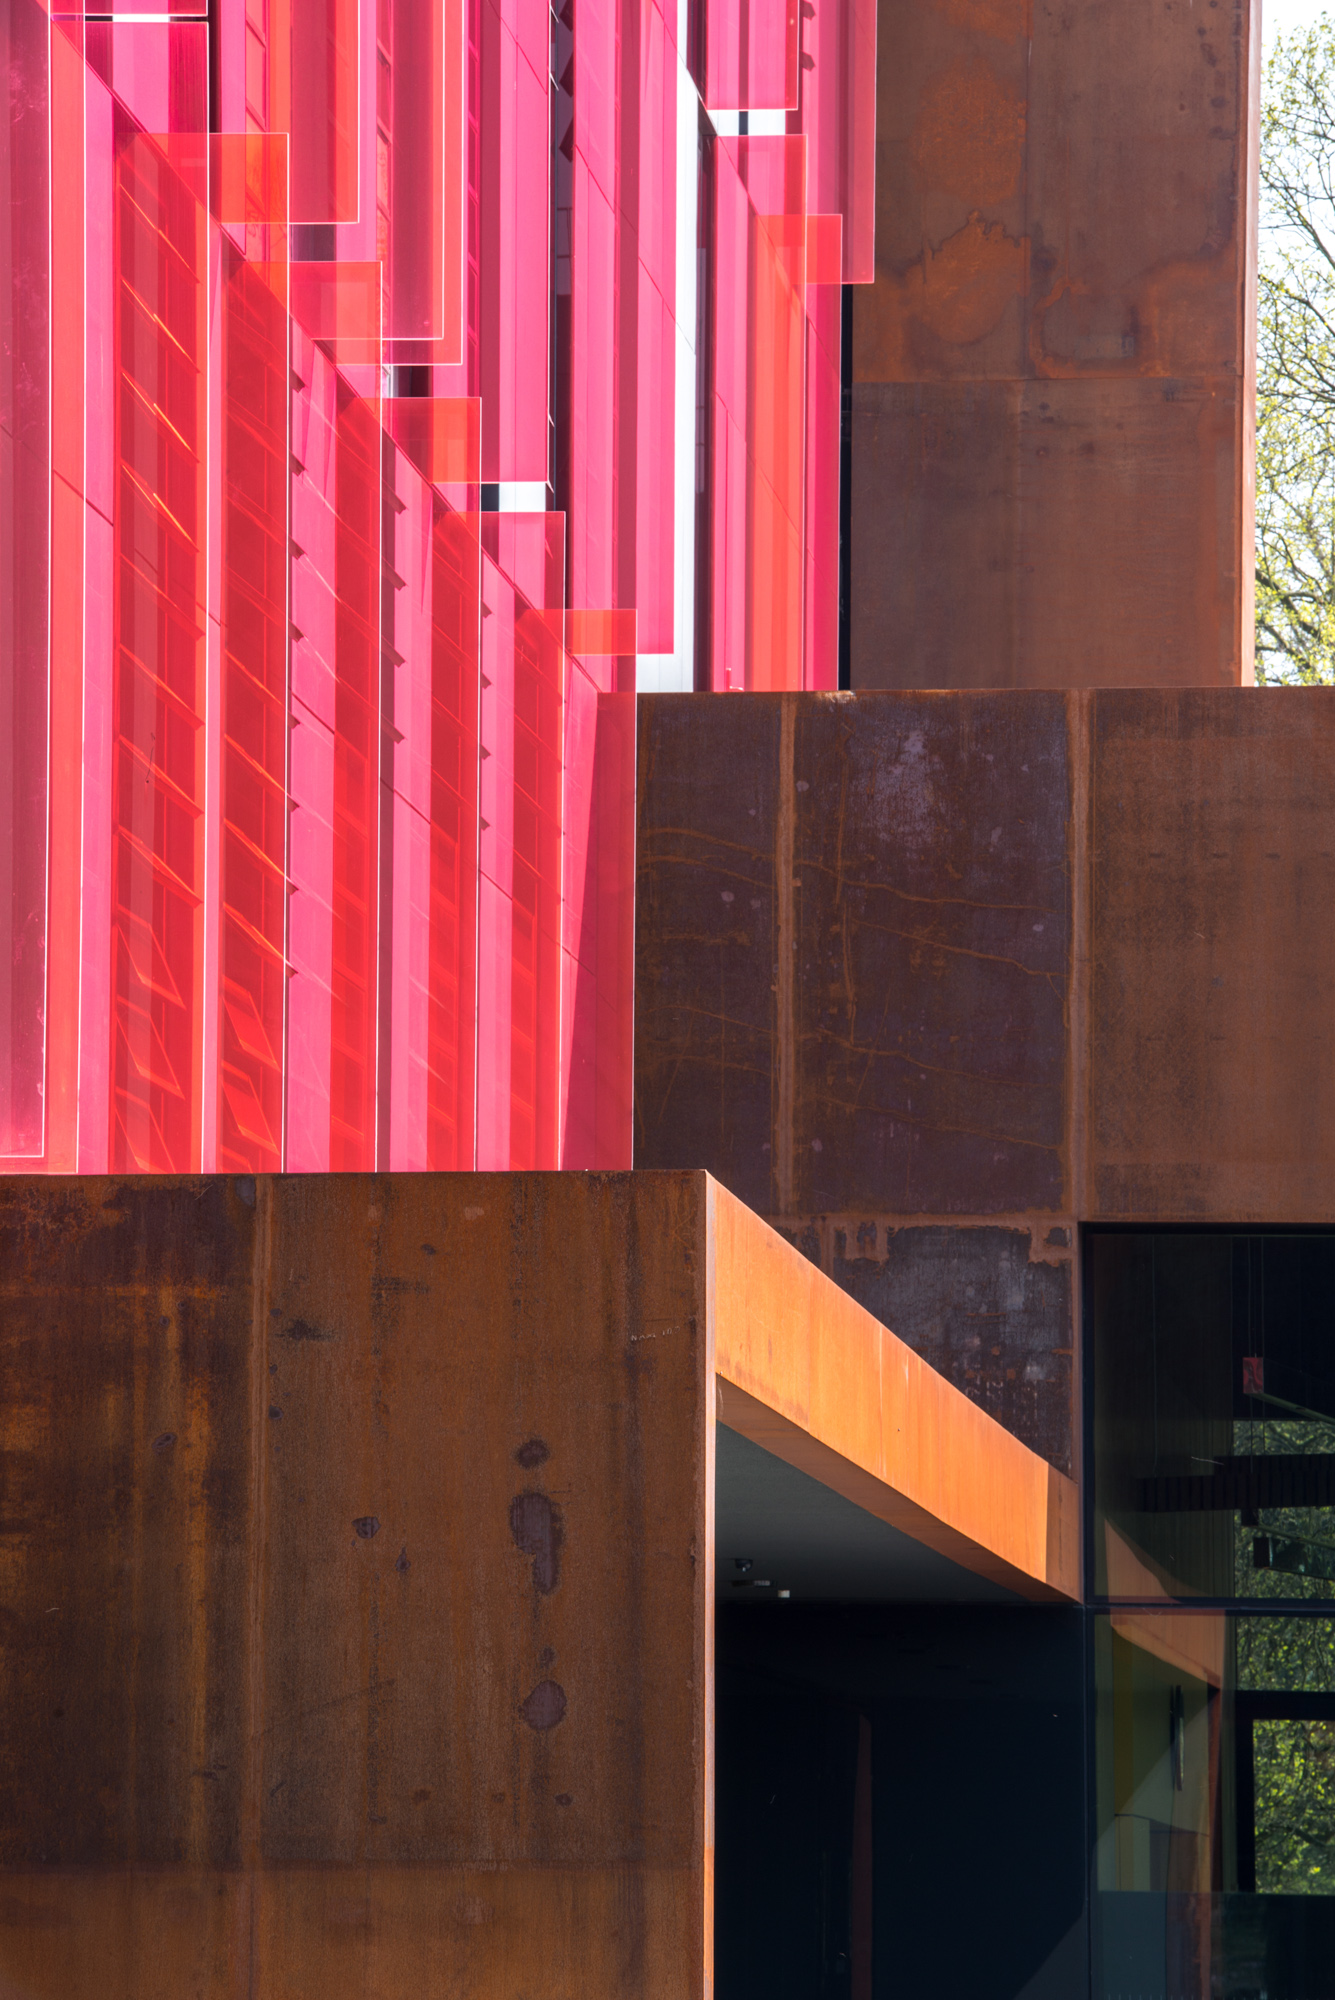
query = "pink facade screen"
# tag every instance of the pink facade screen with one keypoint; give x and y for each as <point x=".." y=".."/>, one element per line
<point x="341" y="484"/>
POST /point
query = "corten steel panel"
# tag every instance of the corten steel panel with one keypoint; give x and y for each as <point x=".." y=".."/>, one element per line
<point x="1053" y="370"/>
<point x="357" y="1555"/>
<point x="1212" y="980"/>
<point x="813" y="1378"/>
<point x="359" y="1569"/>
<point x="854" y="963"/>
<point x="705" y="937"/>
<point x="853" y="949"/>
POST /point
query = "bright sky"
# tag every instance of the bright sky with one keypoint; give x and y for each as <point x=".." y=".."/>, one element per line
<point x="1281" y="17"/>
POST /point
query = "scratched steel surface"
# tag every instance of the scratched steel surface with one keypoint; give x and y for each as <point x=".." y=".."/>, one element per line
<point x="1005" y="962"/>
<point x="1053" y="369"/>
<point x="354" y="1592"/>
<point x="852" y="960"/>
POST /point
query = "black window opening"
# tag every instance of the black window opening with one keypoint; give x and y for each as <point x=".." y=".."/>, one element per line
<point x="1212" y="1416"/>
<point x="1210" y="1516"/>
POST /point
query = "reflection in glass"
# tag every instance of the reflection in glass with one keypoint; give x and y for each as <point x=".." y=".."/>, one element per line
<point x="1214" y="1416"/>
<point x="1214" y="1781"/>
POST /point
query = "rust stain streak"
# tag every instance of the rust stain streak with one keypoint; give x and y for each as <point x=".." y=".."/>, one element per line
<point x="942" y="1125"/>
<point x="847" y="882"/>
<point x="960" y="951"/>
<point x="874" y="1049"/>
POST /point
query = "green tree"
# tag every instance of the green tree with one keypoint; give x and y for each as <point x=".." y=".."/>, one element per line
<point x="1295" y="404"/>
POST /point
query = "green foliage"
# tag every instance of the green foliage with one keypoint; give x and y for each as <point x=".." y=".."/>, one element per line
<point x="1295" y="1808"/>
<point x="1294" y="1760"/>
<point x="1283" y="1435"/>
<point x="1295" y="403"/>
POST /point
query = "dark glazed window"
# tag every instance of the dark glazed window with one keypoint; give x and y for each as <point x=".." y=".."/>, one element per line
<point x="1213" y="1416"/>
<point x="1214" y="1868"/>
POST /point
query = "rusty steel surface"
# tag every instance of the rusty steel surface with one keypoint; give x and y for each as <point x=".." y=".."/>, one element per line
<point x="1054" y="368"/>
<point x="358" y="1569"/>
<point x="853" y="948"/>
<point x="945" y="975"/>
<point x="1212" y="978"/>
<point x="811" y="1377"/>
<point x="853" y="968"/>
<point x="991" y="1308"/>
<point x="356" y="1593"/>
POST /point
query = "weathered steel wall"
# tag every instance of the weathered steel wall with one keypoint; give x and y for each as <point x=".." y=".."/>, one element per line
<point x="1053" y="370"/>
<point x="929" y="979"/>
<point x="852" y="969"/>
<point x="1211" y="1075"/>
<point x="356" y="1592"/>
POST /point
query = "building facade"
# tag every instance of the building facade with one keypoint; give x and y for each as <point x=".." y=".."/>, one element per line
<point x="871" y="1532"/>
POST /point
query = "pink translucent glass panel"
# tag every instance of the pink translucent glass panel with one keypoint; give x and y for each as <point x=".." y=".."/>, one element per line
<point x="429" y="827"/>
<point x="758" y="507"/>
<point x="95" y="455"/>
<point x="254" y="718"/>
<point x="751" y="54"/>
<point x="520" y="886"/>
<point x="339" y="303"/>
<point x="197" y="8"/>
<point x="838" y="116"/>
<point x="157" y="806"/>
<point x="420" y="170"/>
<point x="340" y="870"/>
<point x="25" y="444"/>
<point x="451" y="930"/>
<point x="68" y="354"/>
<point x="515" y="270"/>
<point x="158" y="70"/>
<point x="357" y="581"/>
<point x="439" y="436"/>
<point x="821" y="472"/>
<point x="598" y="996"/>
<point x="621" y="225"/>
<point x="335" y="776"/>
<point x="312" y="500"/>
<point x="312" y="83"/>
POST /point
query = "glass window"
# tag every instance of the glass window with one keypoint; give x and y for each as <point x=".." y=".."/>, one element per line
<point x="1214" y="1788"/>
<point x="1213" y="1362"/>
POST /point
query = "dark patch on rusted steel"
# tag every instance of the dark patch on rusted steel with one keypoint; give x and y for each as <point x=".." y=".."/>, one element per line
<point x="994" y="1322"/>
<point x="366" y="1525"/>
<point x="533" y="1452"/>
<point x="535" y="1524"/>
<point x="300" y="1329"/>
<point x="164" y="1442"/>
<point x="545" y="1707"/>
